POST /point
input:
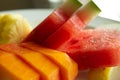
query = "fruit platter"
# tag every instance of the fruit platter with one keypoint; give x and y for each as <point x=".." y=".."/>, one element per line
<point x="71" y="42"/>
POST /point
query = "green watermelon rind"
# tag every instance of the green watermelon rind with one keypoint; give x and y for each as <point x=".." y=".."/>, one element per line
<point x="94" y="7"/>
<point x="88" y="12"/>
<point x="71" y="5"/>
<point x="75" y="3"/>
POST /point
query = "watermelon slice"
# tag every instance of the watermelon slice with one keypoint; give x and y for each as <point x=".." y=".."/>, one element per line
<point x="54" y="21"/>
<point x="95" y="48"/>
<point x="72" y="26"/>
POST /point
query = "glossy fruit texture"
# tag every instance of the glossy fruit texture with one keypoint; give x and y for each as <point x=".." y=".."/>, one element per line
<point x="95" y="48"/>
<point x="37" y="61"/>
<point x="50" y="64"/>
<point x="12" y="68"/>
<point x="68" y="68"/>
<point x="72" y="26"/>
<point x="54" y="21"/>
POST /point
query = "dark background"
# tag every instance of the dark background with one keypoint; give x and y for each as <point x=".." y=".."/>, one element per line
<point x="26" y="4"/>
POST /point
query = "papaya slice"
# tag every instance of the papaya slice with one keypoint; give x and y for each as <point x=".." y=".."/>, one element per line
<point x="68" y="67"/>
<point x="12" y="68"/>
<point x="47" y="69"/>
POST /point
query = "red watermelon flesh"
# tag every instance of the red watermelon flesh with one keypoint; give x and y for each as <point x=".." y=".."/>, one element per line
<point x="67" y="31"/>
<point x="53" y="21"/>
<point x="72" y="26"/>
<point x="95" y="48"/>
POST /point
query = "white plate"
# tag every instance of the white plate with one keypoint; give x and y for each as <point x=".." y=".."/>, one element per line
<point x="35" y="16"/>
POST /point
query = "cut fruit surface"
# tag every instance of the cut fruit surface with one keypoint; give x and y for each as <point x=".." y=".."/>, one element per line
<point x="47" y="69"/>
<point x="95" y="48"/>
<point x="13" y="25"/>
<point x="108" y="73"/>
<point x="15" y="69"/>
<point x="53" y="21"/>
<point x="68" y="68"/>
<point x="72" y="26"/>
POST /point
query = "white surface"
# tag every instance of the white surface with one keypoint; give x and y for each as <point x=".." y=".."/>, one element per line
<point x="110" y="8"/>
<point x="35" y="16"/>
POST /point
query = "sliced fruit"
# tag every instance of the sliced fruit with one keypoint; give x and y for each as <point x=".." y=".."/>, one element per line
<point x="13" y="68"/>
<point x="99" y="74"/>
<point x="4" y="75"/>
<point x="47" y="69"/>
<point x="53" y="21"/>
<point x="95" y="48"/>
<point x="13" y="28"/>
<point x="108" y="73"/>
<point x="72" y="26"/>
<point x="68" y="68"/>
